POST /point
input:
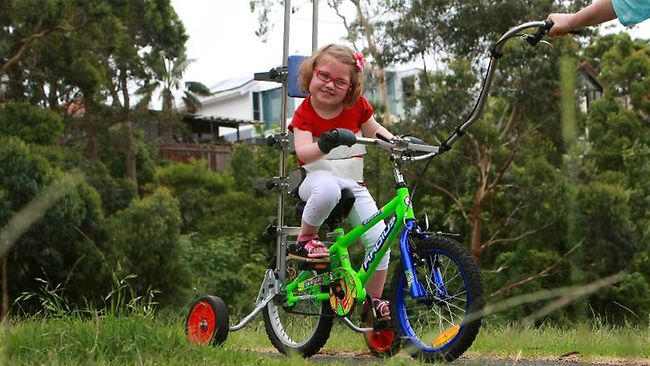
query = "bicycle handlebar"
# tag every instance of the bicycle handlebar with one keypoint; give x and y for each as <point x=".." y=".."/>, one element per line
<point x="401" y="144"/>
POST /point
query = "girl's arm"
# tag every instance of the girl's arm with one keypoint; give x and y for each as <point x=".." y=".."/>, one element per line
<point x="372" y="127"/>
<point x="306" y="149"/>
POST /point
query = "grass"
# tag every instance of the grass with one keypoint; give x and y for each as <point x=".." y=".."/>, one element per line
<point x="143" y="340"/>
<point x="589" y="343"/>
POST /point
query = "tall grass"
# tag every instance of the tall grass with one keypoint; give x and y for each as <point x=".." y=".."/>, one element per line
<point x="145" y="340"/>
<point x="128" y="331"/>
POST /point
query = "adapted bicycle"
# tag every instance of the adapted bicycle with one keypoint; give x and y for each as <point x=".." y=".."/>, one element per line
<point x="437" y="293"/>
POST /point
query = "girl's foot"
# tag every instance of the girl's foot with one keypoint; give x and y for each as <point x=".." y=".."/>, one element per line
<point x="311" y="249"/>
<point x="380" y="309"/>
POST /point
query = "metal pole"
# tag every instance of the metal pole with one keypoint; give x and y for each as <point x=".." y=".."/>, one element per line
<point x="314" y="27"/>
<point x="281" y="236"/>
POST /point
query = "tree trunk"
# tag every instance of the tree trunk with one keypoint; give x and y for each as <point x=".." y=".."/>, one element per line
<point x="476" y="223"/>
<point x="380" y="75"/>
<point x="481" y="195"/>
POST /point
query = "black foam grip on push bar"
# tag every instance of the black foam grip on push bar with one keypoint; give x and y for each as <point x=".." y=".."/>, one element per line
<point x="271" y="75"/>
<point x="549" y="25"/>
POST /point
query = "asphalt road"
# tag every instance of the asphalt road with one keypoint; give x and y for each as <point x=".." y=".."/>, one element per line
<point x="367" y="359"/>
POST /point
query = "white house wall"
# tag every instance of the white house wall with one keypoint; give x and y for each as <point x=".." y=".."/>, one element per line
<point x="238" y="106"/>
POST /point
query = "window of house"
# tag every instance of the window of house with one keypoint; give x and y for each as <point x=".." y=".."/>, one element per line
<point x="257" y="112"/>
<point x="272" y="108"/>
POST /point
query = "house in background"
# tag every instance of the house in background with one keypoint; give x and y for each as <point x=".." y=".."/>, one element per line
<point x="591" y="89"/>
<point x="251" y="107"/>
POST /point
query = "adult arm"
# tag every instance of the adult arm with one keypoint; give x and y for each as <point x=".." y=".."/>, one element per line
<point x="598" y="12"/>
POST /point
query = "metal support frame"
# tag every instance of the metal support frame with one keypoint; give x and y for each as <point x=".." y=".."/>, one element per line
<point x="282" y="233"/>
<point x="271" y="285"/>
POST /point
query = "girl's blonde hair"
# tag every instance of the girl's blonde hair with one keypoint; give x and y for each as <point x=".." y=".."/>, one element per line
<point x="341" y="53"/>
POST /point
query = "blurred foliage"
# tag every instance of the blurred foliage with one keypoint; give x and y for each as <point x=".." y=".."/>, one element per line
<point x="143" y="240"/>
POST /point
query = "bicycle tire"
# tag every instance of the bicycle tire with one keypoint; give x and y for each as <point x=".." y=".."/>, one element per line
<point x="440" y="327"/>
<point x="207" y="321"/>
<point x="304" y="329"/>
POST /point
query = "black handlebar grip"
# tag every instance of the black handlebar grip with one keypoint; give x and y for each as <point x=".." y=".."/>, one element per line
<point x="382" y="137"/>
<point x="549" y="25"/>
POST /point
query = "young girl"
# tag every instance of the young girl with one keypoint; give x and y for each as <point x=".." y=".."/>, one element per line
<point x="333" y="76"/>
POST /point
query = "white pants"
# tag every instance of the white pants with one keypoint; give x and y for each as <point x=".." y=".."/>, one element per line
<point x="321" y="191"/>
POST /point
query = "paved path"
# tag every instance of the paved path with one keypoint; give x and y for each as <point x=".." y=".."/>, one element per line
<point x="367" y="359"/>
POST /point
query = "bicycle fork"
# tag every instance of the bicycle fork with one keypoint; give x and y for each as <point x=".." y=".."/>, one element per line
<point x="415" y="287"/>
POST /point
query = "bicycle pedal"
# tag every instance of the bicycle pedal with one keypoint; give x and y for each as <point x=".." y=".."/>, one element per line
<point x="316" y="264"/>
<point x="294" y="257"/>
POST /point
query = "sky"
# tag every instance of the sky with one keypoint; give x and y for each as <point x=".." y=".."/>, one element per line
<point x="223" y="43"/>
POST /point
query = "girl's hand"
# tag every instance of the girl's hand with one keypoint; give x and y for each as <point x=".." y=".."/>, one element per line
<point x="334" y="138"/>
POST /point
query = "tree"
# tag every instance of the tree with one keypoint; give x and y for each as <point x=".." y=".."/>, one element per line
<point x="167" y="76"/>
<point x="23" y="22"/>
<point x="144" y="240"/>
<point x="145" y="31"/>
<point x="613" y="177"/>
<point x="90" y="52"/>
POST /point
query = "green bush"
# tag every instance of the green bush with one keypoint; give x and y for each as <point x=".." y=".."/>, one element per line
<point x="112" y="147"/>
<point x="144" y="240"/>
<point x="194" y="185"/>
<point x="30" y="123"/>
<point x="231" y="267"/>
<point x="23" y="173"/>
<point x="59" y="245"/>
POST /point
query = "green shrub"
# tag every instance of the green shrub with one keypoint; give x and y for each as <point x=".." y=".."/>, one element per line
<point x="231" y="267"/>
<point x="144" y="239"/>
<point x="194" y="185"/>
<point x="30" y="123"/>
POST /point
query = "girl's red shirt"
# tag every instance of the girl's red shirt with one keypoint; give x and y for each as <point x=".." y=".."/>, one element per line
<point x="305" y="118"/>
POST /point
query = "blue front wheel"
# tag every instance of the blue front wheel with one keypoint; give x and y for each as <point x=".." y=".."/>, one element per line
<point x="443" y="323"/>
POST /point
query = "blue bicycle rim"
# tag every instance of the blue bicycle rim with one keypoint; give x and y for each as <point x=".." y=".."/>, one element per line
<point x="401" y="309"/>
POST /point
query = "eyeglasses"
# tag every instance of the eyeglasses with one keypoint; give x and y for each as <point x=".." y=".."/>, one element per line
<point x="325" y="77"/>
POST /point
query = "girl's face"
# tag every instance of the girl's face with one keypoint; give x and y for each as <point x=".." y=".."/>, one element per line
<point x="330" y="82"/>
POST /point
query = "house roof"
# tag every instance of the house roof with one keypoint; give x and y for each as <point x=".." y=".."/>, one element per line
<point x="209" y="124"/>
<point x="592" y="74"/>
<point x="231" y="84"/>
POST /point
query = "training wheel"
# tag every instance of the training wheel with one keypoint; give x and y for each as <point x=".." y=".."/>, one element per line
<point x="380" y="341"/>
<point x="207" y="322"/>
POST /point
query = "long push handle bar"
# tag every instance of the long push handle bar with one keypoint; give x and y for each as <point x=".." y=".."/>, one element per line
<point x="496" y="53"/>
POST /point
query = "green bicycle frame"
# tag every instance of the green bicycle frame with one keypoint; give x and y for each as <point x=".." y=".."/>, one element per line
<point x="398" y="209"/>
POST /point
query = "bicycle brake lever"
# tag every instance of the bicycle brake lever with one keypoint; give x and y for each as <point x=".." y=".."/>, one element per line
<point x="535" y="38"/>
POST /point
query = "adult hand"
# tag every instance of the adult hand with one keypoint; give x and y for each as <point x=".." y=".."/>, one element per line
<point x="562" y="24"/>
